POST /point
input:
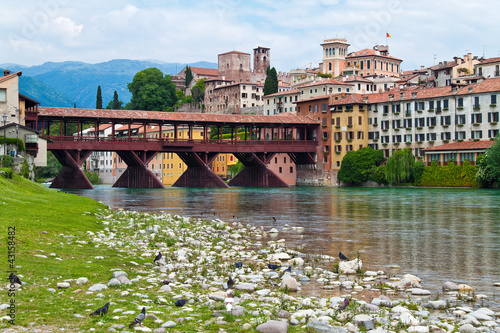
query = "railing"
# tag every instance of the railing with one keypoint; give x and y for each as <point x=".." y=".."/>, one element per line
<point x="183" y="142"/>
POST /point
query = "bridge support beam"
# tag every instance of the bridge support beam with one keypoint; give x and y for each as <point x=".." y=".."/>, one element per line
<point x="71" y="175"/>
<point x="198" y="173"/>
<point x="256" y="173"/>
<point x="137" y="174"/>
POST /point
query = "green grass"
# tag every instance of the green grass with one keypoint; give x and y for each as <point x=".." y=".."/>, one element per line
<point x="48" y="221"/>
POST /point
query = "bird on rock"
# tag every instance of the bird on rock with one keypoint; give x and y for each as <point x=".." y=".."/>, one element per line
<point x="343" y="304"/>
<point x="139" y="319"/>
<point x="289" y="269"/>
<point x="273" y="266"/>
<point x="239" y="264"/>
<point x="14" y="278"/>
<point x="101" y="311"/>
<point x="274" y="219"/>
<point x="167" y="282"/>
<point x="342" y="256"/>
<point x="158" y="257"/>
<point x="180" y="302"/>
<point x="230" y="283"/>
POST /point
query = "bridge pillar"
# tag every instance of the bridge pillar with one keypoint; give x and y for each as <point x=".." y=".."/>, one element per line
<point x="71" y="175"/>
<point x="198" y="173"/>
<point x="137" y="174"/>
<point x="256" y="173"/>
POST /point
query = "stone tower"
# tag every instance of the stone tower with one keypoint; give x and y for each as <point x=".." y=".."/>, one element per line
<point x="235" y="66"/>
<point x="334" y="53"/>
<point x="261" y="59"/>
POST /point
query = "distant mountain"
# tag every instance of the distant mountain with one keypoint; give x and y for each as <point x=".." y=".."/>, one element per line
<point x="76" y="82"/>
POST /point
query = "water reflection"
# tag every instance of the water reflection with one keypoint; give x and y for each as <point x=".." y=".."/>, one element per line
<point x="437" y="234"/>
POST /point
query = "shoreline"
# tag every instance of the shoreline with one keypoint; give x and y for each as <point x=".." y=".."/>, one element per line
<point x="199" y="255"/>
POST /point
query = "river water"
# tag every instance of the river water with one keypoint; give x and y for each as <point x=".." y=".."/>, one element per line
<point x="437" y="234"/>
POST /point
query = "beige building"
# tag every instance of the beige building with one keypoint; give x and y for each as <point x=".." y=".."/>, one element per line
<point x="334" y="56"/>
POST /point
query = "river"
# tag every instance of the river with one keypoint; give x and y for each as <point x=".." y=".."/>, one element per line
<point x="438" y="234"/>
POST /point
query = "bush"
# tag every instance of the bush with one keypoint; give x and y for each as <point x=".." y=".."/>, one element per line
<point x="6" y="161"/>
<point x="93" y="177"/>
<point x="7" y="173"/>
<point x="356" y="165"/>
<point x="25" y="170"/>
<point x="12" y="141"/>
<point x="450" y="175"/>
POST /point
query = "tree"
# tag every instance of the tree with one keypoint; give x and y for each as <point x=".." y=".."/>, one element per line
<point x="152" y="91"/>
<point x="488" y="166"/>
<point x="271" y="83"/>
<point x="98" y="102"/>
<point x="399" y="167"/>
<point x="189" y="76"/>
<point x="357" y="165"/>
<point x="115" y="104"/>
<point x="198" y="92"/>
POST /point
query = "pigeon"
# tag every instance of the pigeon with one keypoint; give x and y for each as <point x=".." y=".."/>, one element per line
<point x="274" y="219"/>
<point x="230" y="283"/>
<point x="342" y="256"/>
<point x="101" y="311"/>
<point x="343" y="304"/>
<point x="138" y="320"/>
<point x="289" y="269"/>
<point x="273" y="266"/>
<point x="180" y="302"/>
<point x="239" y="264"/>
<point x="158" y="257"/>
<point x="166" y="282"/>
<point x="14" y="278"/>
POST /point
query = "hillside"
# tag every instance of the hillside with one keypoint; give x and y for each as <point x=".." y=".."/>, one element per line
<point x="76" y="82"/>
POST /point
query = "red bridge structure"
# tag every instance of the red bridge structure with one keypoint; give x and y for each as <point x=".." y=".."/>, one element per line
<point x="265" y="136"/>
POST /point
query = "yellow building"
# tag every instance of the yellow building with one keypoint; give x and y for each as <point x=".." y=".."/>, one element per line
<point x="349" y="127"/>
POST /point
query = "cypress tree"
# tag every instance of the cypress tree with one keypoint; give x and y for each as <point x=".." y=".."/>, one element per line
<point x="271" y="83"/>
<point x="98" y="102"/>
<point x="189" y="76"/>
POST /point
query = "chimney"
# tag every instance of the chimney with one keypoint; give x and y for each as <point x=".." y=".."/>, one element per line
<point x="470" y="90"/>
<point x="414" y="94"/>
<point x="6" y="72"/>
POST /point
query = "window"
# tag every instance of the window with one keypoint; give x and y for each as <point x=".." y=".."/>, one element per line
<point x="438" y="105"/>
<point x="431" y="121"/>
<point x="445" y="104"/>
<point x="396" y="123"/>
<point x="3" y="95"/>
<point x="337" y="136"/>
<point x="476" y="135"/>
<point x="419" y="137"/>
<point x="445" y="120"/>
<point x="431" y="105"/>
<point x="338" y="148"/>
<point x="431" y="136"/>
<point x="460" y="135"/>
<point x="407" y="123"/>
<point x="349" y="121"/>
<point x="349" y="135"/>
<point x="385" y="124"/>
<point x="360" y="120"/>
<point x="446" y="136"/>
<point x="384" y="139"/>
<point x="361" y="135"/>
<point x="460" y="119"/>
<point x="476" y="118"/>
<point x="460" y="102"/>
<point x="492" y="133"/>
<point x="493" y="99"/>
<point x="476" y="102"/>
<point x="492" y="117"/>
<point x="407" y="138"/>
<point x="419" y="122"/>
<point x="396" y="138"/>
<point x="386" y="108"/>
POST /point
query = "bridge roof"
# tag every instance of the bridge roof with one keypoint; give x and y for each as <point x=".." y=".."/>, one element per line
<point x="124" y="116"/>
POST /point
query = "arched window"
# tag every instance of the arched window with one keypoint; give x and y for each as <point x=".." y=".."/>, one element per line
<point x="330" y="66"/>
<point x="333" y="51"/>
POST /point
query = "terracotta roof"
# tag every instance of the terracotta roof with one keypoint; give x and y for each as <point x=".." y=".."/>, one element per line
<point x="169" y="117"/>
<point x="406" y="79"/>
<point x="325" y="82"/>
<point x="313" y="99"/>
<point x="449" y="64"/>
<point x="349" y="99"/>
<point x="465" y="145"/>
<point x="369" y="52"/>
<point x="488" y="61"/>
<point x="356" y="78"/>
<point x="10" y="76"/>
<point x="125" y="127"/>
<point x="205" y="71"/>
<point x="283" y="93"/>
<point x="234" y="52"/>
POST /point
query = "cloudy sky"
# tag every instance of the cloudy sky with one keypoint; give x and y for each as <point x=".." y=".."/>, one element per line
<point x="423" y="31"/>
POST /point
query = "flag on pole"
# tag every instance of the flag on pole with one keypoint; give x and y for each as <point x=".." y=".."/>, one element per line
<point x="387" y="35"/>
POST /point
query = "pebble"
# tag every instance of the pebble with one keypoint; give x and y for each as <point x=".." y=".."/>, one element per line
<point x="63" y="285"/>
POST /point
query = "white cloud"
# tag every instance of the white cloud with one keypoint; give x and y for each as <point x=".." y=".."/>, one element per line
<point x="189" y="31"/>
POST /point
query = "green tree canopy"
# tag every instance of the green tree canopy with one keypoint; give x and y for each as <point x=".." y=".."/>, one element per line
<point x="198" y="92"/>
<point x="488" y="166"/>
<point x="357" y="165"/>
<point x="115" y="104"/>
<point x="399" y="167"/>
<point x="98" y="102"/>
<point x="152" y="91"/>
<point x="271" y="83"/>
<point x="189" y="76"/>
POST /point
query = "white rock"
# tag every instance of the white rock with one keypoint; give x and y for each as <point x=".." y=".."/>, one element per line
<point x="114" y="283"/>
<point x="350" y="267"/>
<point x="273" y="231"/>
<point x="81" y="281"/>
<point x="116" y="274"/>
<point x="98" y="287"/>
<point x="418" y="329"/>
<point x="280" y="256"/>
<point x="421" y="292"/>
<point x="289" y="283"/>
<point x="407" y="319"/>
<point x="165" y="288"/>
<point x="63" y="285"/>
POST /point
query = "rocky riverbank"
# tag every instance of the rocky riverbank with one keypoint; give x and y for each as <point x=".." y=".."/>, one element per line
<point x="198" y="257"/>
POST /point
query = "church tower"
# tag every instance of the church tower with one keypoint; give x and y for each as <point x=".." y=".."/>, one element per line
<point x="261" y="59"/>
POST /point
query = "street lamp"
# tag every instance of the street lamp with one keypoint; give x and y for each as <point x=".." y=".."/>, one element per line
<point x="17" y="139"/>
<point x="4" y="117"/>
